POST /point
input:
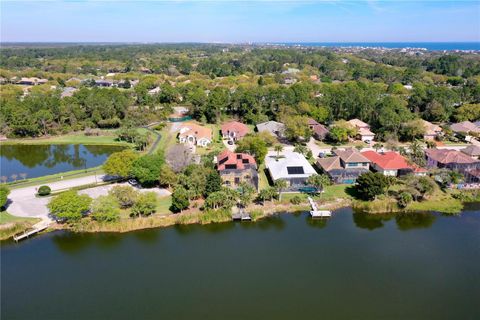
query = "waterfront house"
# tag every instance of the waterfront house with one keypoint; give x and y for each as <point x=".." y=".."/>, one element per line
<point x="319" y="130"/>
<point x="104" y="83"/>
<point x="465" y="127"/>
<point x="392" y="164"/>
<point x="154" y="91"/>
<point x="235" y="168"/>
<point x="291" y="167"/>
<point x="432" y="131"/>
<point x="33" y="81"/>
<point x="276" y="129"/>
<point x="454" y="160"/>
<point x="472" y="151"/>
<point x="363" y="130"/>
<point x="194" y="134"/>
<point x="345" y="166"/>
<point x="68" y="92"/>
<point x="234" y="130"/>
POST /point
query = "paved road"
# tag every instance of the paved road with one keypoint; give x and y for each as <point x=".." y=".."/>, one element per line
<point x="23" y="203"/>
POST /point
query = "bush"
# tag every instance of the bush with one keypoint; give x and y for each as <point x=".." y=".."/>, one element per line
<point x="105" y="208"/>
<point x="210" y="216"/>
<point x="69" y="206"/>
<point x="125" y="195"/>
<point x="145" y="205"/>
<point x="296" y="200"/>
<point x="256" y="214"/>
<point x="160" y="126"/>
<point x="44" y="191"/>
<point x="404" y="199"/>
<point x="147" y="169"/>
<point x="4" y="192"/>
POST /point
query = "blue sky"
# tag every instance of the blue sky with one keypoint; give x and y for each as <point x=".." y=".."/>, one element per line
<point x="240" y="21"/>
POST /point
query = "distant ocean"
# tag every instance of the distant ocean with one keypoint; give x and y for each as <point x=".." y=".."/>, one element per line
<point x="426" y="45"/>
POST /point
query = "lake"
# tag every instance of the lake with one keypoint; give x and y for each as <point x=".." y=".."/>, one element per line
<point x="40" y="160"/>
<point x="353" y="266"/>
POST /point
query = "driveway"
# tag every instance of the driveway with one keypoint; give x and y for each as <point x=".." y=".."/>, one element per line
<point x="230" y="147"/>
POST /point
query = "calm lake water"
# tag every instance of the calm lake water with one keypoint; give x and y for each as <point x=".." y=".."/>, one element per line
<point x="395" y="45"/>
<point x="40" y="160"/>
<point x="287" y="267"/>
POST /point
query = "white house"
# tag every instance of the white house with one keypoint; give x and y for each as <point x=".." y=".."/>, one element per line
<point x="194" y="134"/>
<point x="291" y="167"/>
<point x="363" y="129"/>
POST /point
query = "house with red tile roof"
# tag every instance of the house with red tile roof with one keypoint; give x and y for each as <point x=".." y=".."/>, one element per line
<point x="235" y="168"/>
<point x="195" y="134"/>
<point x="392" y="164"/>
<point x="234" y="130"/>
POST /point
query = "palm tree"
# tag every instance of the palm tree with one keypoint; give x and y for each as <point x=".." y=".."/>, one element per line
<point x="280" y="185"/>
<point x="278" y="148"/>
<point x="267" y="194"/>
<point x="301" y="149"/>
<point x="263" y="194"/>
<point x="377" y="146"/>
<point x="319" y="181"/>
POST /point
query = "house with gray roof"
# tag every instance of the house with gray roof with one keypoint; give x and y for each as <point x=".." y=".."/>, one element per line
<point x="465" y="126"/>
<point x="345" y="166"/>
<point x="472" y="151"/>
<point x="291" y="167"/>
<point x="320" y="132"/>
<point x="275" y="128"/>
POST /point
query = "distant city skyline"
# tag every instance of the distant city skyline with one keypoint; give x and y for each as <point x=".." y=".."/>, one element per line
<point x="240" y="22"/>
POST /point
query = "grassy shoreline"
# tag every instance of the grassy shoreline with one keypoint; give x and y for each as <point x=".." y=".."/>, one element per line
<point x="11" y="225"/>
<point x="61" y="176"/>
<point x="106" y="138"/>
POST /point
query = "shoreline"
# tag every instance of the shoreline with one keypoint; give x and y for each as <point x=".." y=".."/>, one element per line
<point x="258" y="212"/>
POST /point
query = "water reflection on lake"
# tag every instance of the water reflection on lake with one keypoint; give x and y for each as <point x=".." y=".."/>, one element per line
<point x="40" y="160"/>
<point x="351" y="266"/>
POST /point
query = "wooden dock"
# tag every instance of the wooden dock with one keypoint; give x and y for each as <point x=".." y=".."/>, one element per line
<point x="36" y="228"/>
<point x="239" y="214"/>
<point x="315" y="213"/>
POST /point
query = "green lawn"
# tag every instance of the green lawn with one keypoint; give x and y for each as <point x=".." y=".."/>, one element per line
<point x="168" y="138"/>
<point x="55" y="177"/>
<point x="108" y="137"/>
<point x="11" y="225"/>
<point x="336" y="191"/>
<point x="262" y="178"/>
<point x="163" y="205"/>
<point x="6" y="217"/>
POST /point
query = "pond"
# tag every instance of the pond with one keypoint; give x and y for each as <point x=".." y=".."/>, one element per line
<point x="29" y="161"/>
<point x="352" y="266"/>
